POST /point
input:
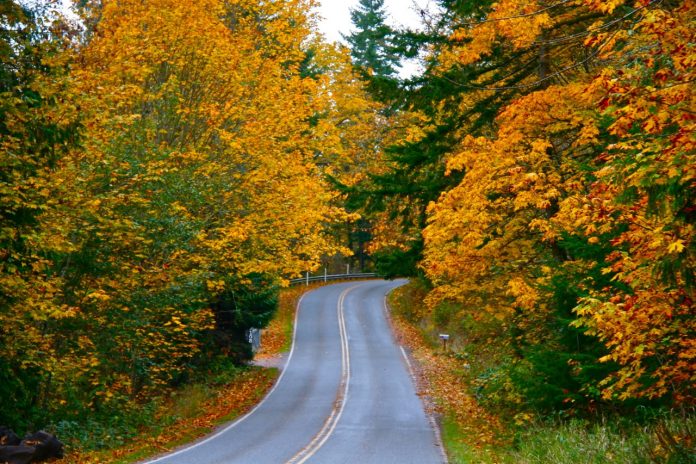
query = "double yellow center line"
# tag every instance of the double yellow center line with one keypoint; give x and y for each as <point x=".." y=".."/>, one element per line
<point x="341" y="398"/>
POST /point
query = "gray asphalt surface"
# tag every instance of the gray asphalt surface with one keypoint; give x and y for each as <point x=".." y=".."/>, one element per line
<point x="345" y="395"/>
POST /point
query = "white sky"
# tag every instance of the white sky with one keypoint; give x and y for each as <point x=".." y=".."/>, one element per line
<point x="335" y="20"/>
<point x="336" y="15"/>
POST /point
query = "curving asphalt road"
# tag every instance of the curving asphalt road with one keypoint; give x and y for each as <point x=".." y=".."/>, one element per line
<point x="345" y="394"/>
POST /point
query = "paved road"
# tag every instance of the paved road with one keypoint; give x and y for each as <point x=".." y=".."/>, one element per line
<point x="345" y="395"/>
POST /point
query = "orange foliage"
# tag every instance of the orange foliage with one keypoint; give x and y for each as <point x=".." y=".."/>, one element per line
<point x="605" y="158"/>
<point x="194" y="173"/>
<point x="648" y="322"/>
<point x="511" y="185"/>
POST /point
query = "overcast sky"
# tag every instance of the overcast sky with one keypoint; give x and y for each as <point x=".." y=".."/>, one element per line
<point x="335" y="20"/>
<point x="336" y="15"/>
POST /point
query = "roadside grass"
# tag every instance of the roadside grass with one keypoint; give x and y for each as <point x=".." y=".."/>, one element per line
<point x="472" y="433"/>
<point x="460" y="450"/>
<point x="668" y="440"/>
<point x="277" y="337"/>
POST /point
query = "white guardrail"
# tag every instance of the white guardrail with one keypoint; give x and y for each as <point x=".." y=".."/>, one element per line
<point x="327" y="277"/>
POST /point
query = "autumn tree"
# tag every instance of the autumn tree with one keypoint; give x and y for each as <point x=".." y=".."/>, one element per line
<point x="642" y="199"/>
<point x="481" y="57"/>
<point x="516" y="239"/>
<point x="38" y="126"/>
<point x="148" y="249"/>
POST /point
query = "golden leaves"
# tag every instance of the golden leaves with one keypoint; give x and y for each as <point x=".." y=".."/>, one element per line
<point x="510" y="184"/>
<point x="676" y="247"/>
<point x="604" y="6"/>
<point x="606" y="162"/>
<point x="526" y="296"/>
<point x="519" y="22"/>
<point x="195" y="170"/>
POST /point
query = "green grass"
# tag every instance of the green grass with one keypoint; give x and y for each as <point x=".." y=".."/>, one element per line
<point x="288" y="330"/>
<point x="188" y="401"/>
<point x="669" y="440"/>
<point x="457" y="445"/>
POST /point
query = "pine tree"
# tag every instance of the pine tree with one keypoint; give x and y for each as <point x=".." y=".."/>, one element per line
<point x="370" y="45"/>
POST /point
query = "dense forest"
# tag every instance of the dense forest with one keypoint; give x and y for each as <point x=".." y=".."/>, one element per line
<point x="163" y="173"/>
<point x="167" y="166"/>
<point x="546" y="203"/>
<point x="549" y="193"/>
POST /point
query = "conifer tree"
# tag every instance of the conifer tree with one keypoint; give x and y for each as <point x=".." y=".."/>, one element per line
<point x="371" y="43"/>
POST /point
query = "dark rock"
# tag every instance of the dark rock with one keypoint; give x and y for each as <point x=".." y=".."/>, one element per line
<point x="47" y="445"/>
<point x="8" y="437"/>
<point x="17" y="454"/>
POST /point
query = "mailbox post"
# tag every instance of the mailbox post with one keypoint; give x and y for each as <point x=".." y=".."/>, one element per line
<point x="444" y="338"/>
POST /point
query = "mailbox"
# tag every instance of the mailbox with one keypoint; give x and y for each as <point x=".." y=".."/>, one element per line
<point x="444" y="338"/>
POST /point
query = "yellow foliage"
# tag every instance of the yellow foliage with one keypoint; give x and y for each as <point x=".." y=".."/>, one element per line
<point x="195" y="169"/>
<point x="605" y="158"/>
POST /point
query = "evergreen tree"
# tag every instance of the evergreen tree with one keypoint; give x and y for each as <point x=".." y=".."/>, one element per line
<point x="457" y="99"/>
<point x="371" y="43"/>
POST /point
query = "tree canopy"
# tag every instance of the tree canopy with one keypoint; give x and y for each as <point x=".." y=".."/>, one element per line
<point x="163" y="175"/>
<point x="167" y="166"/>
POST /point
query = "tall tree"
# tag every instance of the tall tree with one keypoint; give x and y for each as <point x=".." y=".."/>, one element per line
<point x="376" y="55"/>
<point x="37" y="128"/>
<point x="129" y="260"/>
<point x="511" y="129"/>
<point x="475" y="67"/>
<point x="577" y="210"/>
<point x="371" y="43"/>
